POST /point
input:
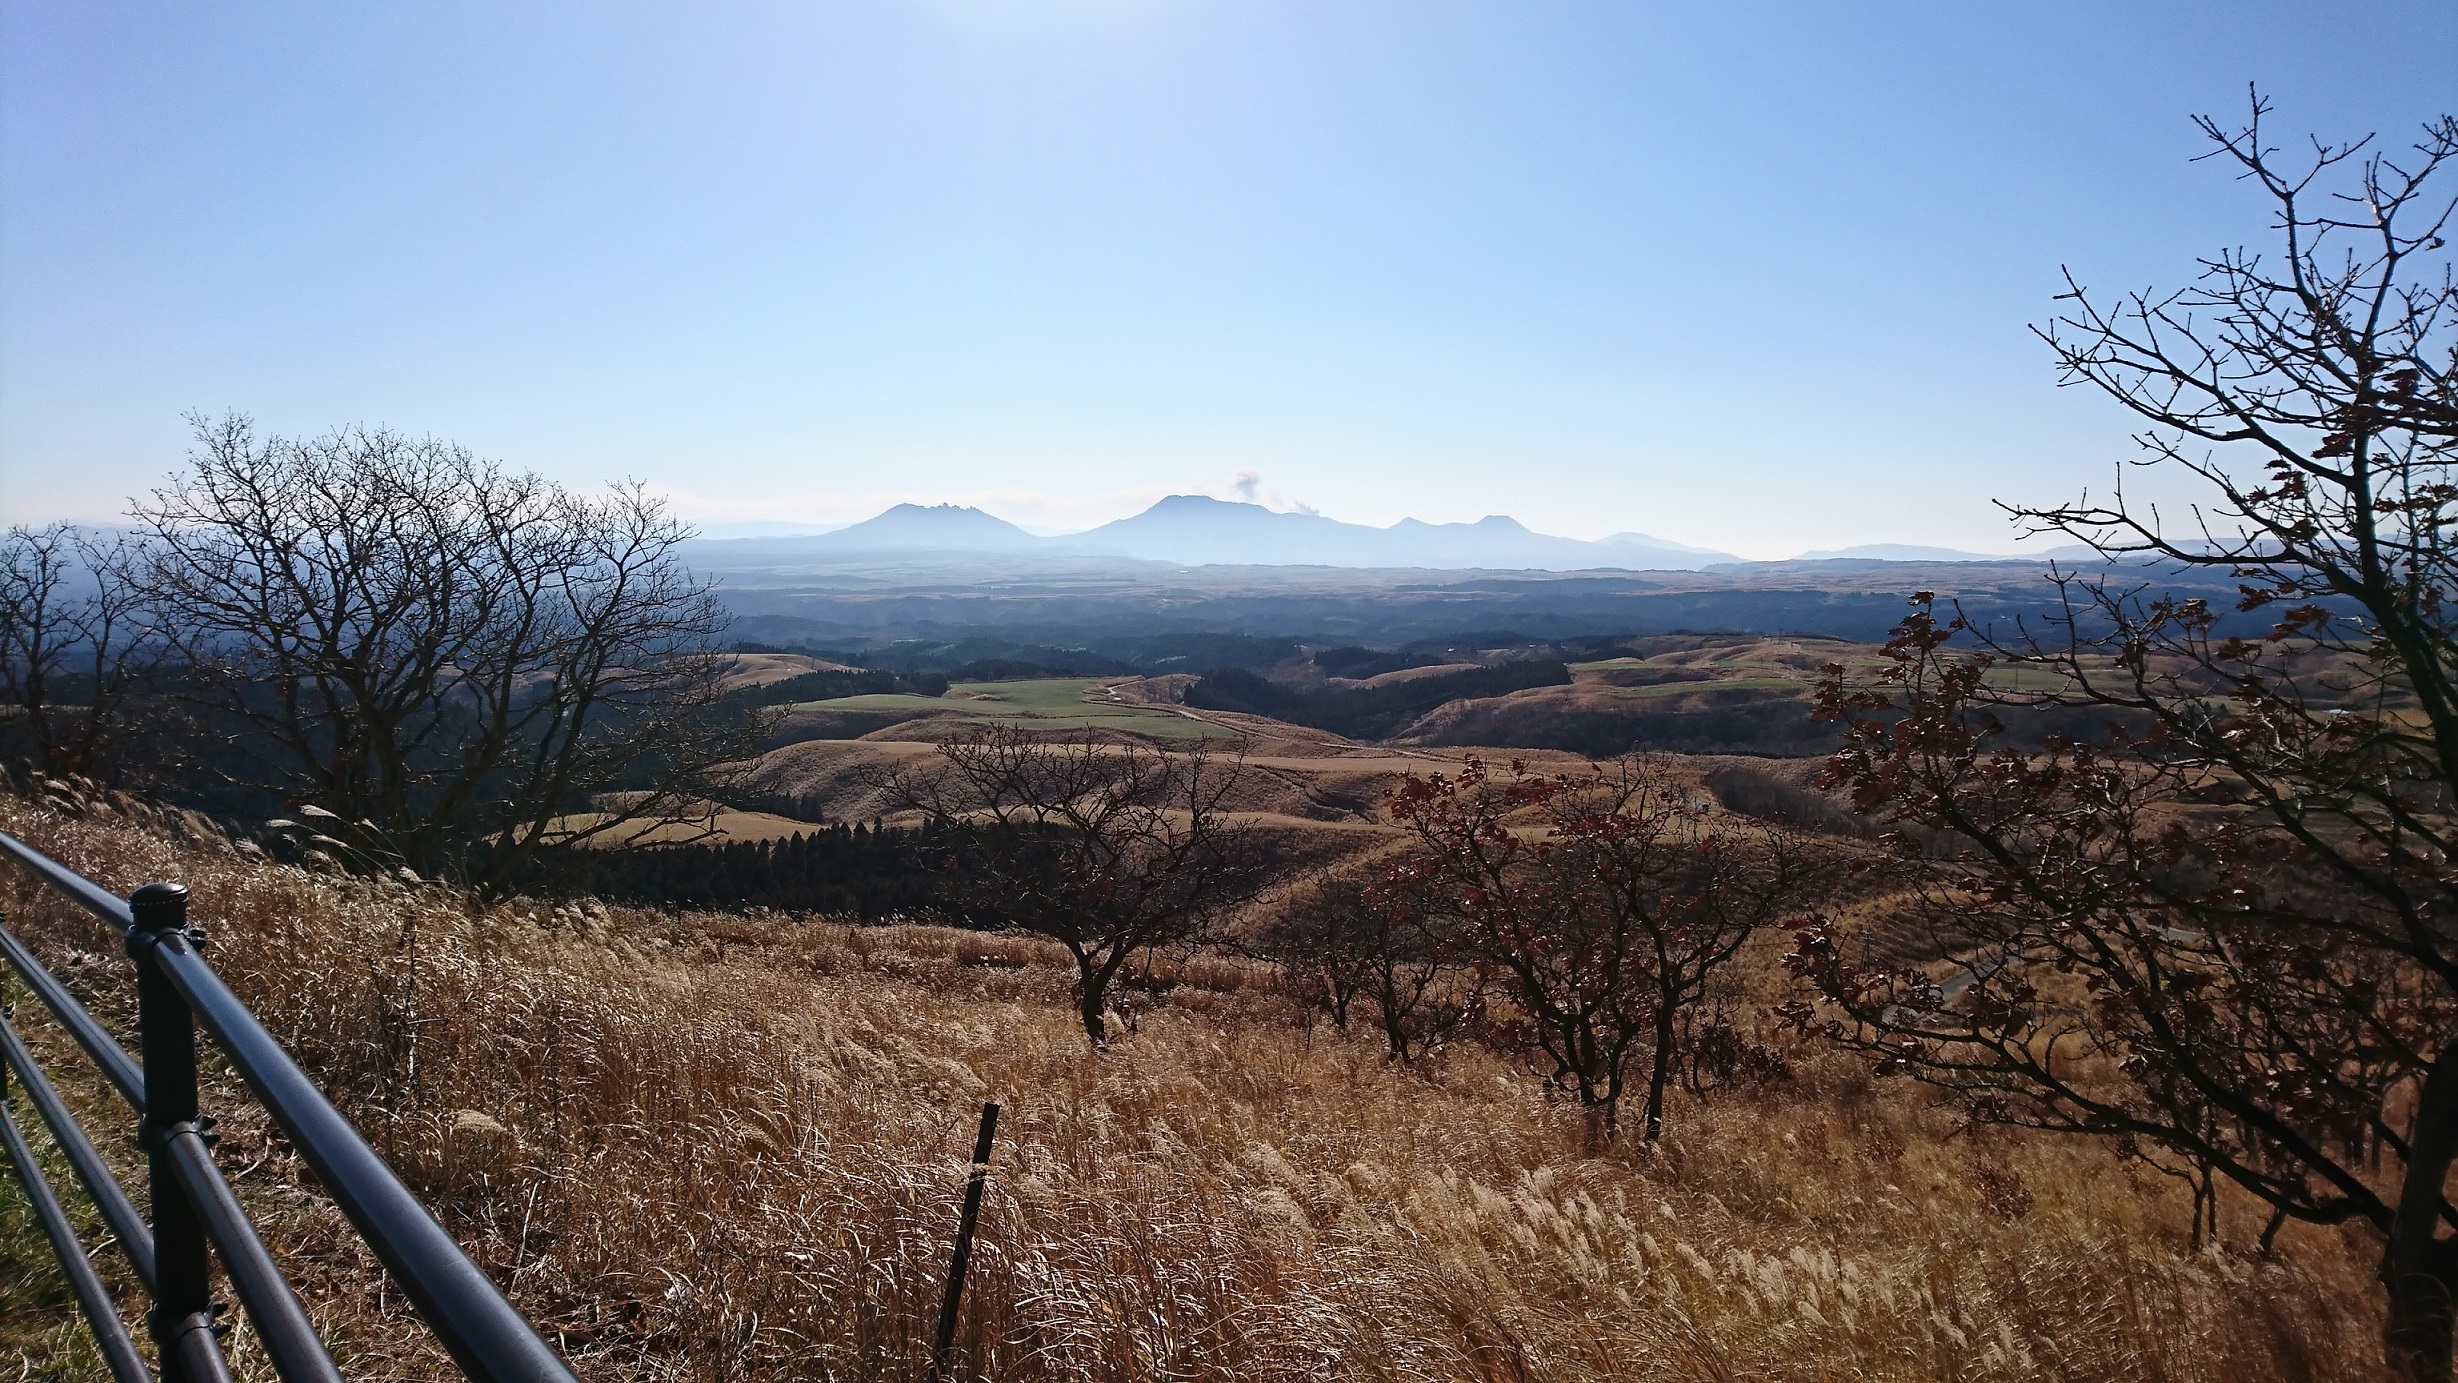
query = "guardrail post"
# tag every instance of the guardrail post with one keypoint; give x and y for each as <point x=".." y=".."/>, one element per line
<point x="183" y="1300"/>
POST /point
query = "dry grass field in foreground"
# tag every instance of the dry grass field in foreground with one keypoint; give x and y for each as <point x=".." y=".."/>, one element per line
<point x="728" y="1148"/>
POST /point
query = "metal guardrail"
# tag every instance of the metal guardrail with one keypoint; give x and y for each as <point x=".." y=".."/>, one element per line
<point x="194" y="1216"/>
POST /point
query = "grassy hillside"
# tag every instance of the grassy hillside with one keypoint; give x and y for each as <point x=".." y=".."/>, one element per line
<point x="728" y="1148"/>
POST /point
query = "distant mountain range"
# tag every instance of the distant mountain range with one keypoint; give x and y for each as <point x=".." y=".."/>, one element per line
<point x="931" y="528"/>
<point x="1196" y="530"/>
<point x="1913" y="552"/>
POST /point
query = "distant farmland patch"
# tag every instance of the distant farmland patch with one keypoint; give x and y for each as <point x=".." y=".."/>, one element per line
<point x="1721" y="684"/>
<point x="1049" y="703"/>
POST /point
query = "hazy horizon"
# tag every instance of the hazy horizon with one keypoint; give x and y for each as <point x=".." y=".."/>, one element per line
<point x="1754" y="278"/>
<point x="758" y="529"/>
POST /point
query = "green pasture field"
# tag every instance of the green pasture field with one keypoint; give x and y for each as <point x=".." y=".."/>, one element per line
<point x="1743" y="661"/>
<point x="1718" y="684"/>
<point x="1053" y="703"/>
<point x="2019" y="677"/>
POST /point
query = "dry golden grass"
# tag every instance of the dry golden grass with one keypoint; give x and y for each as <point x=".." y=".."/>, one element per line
<point x="727" y="1148"/>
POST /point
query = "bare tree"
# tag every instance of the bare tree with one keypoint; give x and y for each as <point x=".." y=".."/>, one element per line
<point x="1602" y="904"/>
<point x="1381" y="938"/>
<point x="1106" y="848"/>
<point x="2226" y="935"/>
<point x="73" y="647"/>
<point x="1321" y="936"/>
<point x="473" y="664"/>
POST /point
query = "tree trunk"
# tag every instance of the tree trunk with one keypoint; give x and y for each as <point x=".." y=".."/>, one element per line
<point x="2419" y="1267"/>
<point x="1660" y="1071"/>
<point x="1092" y="996"/>
<point x="2418" y="1333"/>
<point x="1603" y="1122"/>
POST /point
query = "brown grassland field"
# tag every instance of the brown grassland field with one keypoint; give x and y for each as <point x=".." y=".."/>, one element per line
<point x="732" y="1147"/>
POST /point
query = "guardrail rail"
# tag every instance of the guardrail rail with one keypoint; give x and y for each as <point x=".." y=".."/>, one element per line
<point x="193" y="1216"/>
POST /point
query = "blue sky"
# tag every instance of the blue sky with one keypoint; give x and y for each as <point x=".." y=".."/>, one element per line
<point x="1748" y="276"/>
